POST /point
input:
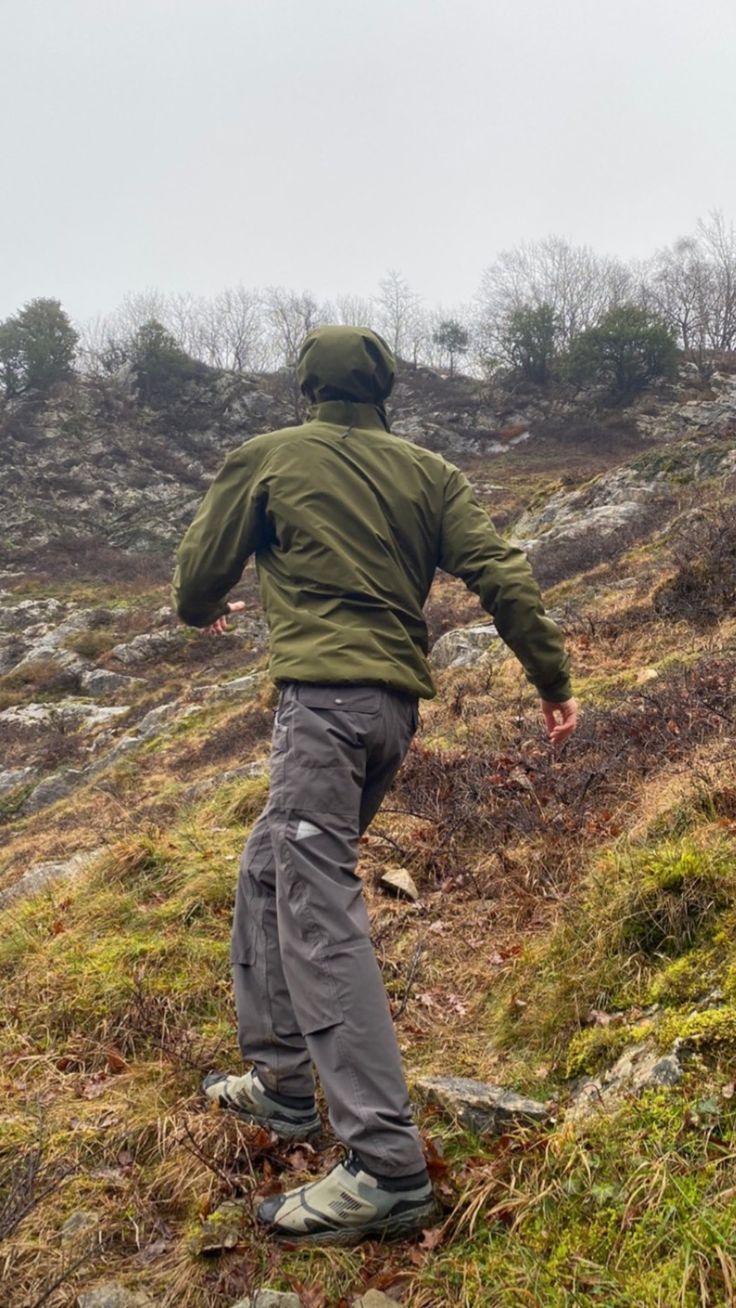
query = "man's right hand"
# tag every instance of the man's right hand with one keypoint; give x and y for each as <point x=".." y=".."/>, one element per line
<point x="220" y="627"/>
<point x="560" y="719"/>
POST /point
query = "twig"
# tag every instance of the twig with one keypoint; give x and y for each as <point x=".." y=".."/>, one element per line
<point x="410" y="978"/>
<point x="405" y="853"/>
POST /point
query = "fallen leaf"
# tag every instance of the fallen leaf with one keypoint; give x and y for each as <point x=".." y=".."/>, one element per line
<point x="431" y="1238"/>
<point x="96" y="1086"/>
<point x="156" y="1249"/>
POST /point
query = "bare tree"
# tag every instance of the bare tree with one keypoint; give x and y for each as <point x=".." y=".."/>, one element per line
<point x="577" y="284"/>
<point x="718" y="240"/>
<point x="678" y="288"/>
<point x="398" y="315"/>
<point x="235" y="326"/>
<point x="353" y="311"/>
<point x="290" y="315"/>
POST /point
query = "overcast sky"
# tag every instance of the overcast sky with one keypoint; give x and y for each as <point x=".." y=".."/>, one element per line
<point x="194" y="144"/>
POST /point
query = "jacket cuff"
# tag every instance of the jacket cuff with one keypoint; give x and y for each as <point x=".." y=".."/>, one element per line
<point x="199" y="615"/>
<point x="557" y="691"/>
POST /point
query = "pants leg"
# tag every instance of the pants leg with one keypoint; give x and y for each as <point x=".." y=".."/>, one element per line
<point x="268" y="1031"/>
<point x="343" y="746"/>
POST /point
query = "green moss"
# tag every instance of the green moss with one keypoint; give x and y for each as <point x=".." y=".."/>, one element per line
<point x="709" y="1029"/>
<point x="685" y="978"/>
<point x="597" y="1047"/>
<point x="12" y="802"/>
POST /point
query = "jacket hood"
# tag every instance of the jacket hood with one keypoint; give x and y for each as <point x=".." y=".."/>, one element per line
<point x="345" y="363"/>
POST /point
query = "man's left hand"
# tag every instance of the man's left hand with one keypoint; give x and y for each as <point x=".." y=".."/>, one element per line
<point x="220" y="626"/>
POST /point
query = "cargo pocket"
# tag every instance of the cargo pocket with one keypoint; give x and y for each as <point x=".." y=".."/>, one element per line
<point x="311" y="907"/>
<point x="327" y="760"/>
<point x="337" y="716"/>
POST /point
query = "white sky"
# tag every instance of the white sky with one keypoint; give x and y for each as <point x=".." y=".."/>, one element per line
<point x="192" y="144"/>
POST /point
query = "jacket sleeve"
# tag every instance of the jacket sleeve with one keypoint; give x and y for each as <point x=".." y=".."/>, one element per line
<point x="229" y="526"/>
<point x="500" y="574"/>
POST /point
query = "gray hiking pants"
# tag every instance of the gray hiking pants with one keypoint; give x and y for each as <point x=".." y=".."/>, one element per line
<point x="307" y="985"/>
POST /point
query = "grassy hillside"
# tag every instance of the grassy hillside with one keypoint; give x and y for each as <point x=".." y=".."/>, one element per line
<point x="571" y="905"/>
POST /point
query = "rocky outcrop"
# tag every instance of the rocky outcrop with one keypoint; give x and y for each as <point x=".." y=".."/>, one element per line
<point x="68" y="713"/>
<point x="576" y="530"/>
<point x="13" y="778"/>
<point x="712" y="414"/>
<point x="114" y="1295"/>
<point x="486" y="1109"/>
<point x="42" y="875"/>
<point x="641" y="1067"/>
<point x="149" y="645"/>
<point x="34" y="631"/>
<point x="100" y="681"/>
<point x="465" y="647"/>
<point x="95" y="463"/>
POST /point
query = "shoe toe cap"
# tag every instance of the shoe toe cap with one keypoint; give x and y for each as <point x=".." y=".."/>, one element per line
<point x="268" y="1209"/>
<point x="212" y="1080"/>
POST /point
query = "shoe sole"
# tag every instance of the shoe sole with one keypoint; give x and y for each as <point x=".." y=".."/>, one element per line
<point x="286" y="1130"/>
<point x="392" y="1228"/>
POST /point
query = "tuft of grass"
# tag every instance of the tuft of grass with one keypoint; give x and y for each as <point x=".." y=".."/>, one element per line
<point x="91" y="644"/>
<point x="637" y="910"/>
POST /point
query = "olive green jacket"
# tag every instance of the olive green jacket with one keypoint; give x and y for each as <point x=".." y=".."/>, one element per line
<point x="348" y="524"/>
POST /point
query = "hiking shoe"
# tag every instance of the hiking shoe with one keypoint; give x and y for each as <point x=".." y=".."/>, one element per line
<point x="349" y="1205"/>
<point x="248" y="1098"/>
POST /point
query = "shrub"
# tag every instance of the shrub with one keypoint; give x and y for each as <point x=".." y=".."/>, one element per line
<point x="528" y="341"/>
<point x="90" y="644"/>
<point x="160" y="365"/>
<point x="703" y="589"/>
<point x="625" y="352"/>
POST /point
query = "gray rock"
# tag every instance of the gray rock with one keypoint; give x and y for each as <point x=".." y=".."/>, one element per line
<point x="639" y="1068"/>
<point x="114" y="1295"/>
<point x="149" y="645"/>
<point x="272" y="1299"/>
<point x="12" y="650"/>
<point x="54" y="788"/>
<point x="15" y="777"/>
<point x="79" y="1223"/>
<point x="465" y="647"/>
<point x="486" y="1109"/>
<point x="17" y="617"/>
<point x="397" y="881"/>
<point x="152" y="723"/>
<point x="100" y="681"/>
<point x="234" y="689"/>
<point x="64" y="712"/>
<point x="223" y="1229"/>
<point x="44" y="874"/>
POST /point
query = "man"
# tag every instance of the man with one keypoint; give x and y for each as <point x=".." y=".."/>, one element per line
<point x="348" y="524"/>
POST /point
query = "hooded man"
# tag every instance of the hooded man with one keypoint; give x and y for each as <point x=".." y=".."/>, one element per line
<point x="348" y="525"/>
